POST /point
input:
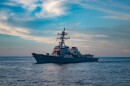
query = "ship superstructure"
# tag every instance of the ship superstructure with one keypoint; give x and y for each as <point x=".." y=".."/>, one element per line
<point x="63" y="54"/>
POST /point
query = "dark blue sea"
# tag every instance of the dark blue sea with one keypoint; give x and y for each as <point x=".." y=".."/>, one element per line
<point x="23" y="71"/>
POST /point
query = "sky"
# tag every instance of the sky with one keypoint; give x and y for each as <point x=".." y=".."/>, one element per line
<point x="99" y="27"/>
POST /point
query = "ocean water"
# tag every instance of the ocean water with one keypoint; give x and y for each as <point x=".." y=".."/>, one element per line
<point x="23" y="71"/>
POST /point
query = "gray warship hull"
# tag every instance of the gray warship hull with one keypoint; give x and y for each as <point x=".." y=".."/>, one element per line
<point x="40" y="58"/>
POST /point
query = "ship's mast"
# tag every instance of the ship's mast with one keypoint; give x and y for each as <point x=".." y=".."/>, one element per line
<point x="62" y="38"/>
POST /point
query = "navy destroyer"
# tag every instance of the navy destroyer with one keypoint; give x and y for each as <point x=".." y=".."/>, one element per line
<point x="63" y="54"/>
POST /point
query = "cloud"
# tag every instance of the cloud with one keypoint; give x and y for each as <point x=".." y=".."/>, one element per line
<point x="9" y="3"/>
<point x="55" y="8"/>
<point x="49" y="8"/>
<point x="52" y="8"/>
<point x="83" y="35"/>
<point x="23" y="33"/>
<point x="5" y="14"/>
<point x="114" y="14"/>
<point x="29" y="5"/>
<point x="126" y="51"/>
<point x="6" y="29"/>
<point x="119" y="17"/>
<point x="85" y="42"/>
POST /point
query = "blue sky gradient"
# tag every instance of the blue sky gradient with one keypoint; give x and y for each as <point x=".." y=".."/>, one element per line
<point x="99" y="27"/>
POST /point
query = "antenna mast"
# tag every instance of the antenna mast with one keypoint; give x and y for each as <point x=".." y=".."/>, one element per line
<point x="62" y="38"/>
